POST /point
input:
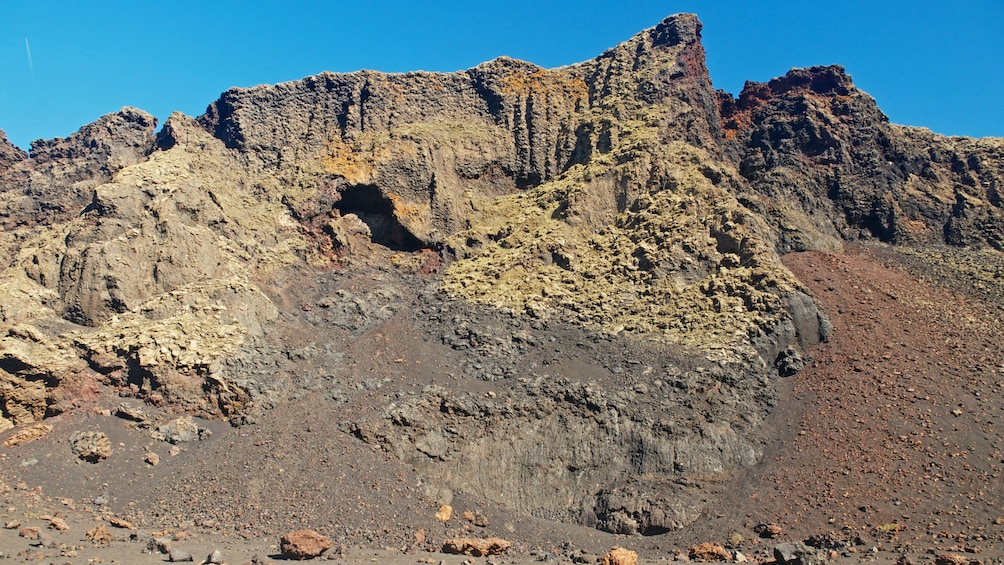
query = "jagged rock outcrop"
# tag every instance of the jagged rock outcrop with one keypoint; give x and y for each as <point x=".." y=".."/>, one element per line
<point x="429" y="148"/>
<point x="155" y="267"/>
<point x="617" y="208"/>
<point x="826" y="165"/>
<point x="9" y="154"/>
<point x="61" y="175"/>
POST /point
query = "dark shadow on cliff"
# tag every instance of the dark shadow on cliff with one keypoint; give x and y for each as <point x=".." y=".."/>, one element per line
<point x="377" y="212"/>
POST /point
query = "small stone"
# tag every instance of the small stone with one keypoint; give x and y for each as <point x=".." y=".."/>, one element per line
<point x="160" y="545"/>
<point x="58" y="524"/>
<point x="181" y="430"/>
<point x="786" y="553"/>
<point x="12" y="524"/>
<point x="120" y="523"/>
<point x="47" y="541"/>
<point x="152" y="459"/>
<point x="215" y="557"/>
<point x="769" y="531"/>
<point x="178" y="556"/>
<point x="796" y="553"/>
<point x="304" y="544"/>
<point x="127" y="412"/>
<point x="620" y="556"/>
<point x="28" y="532"/>
<point x="789" y="362"/>
<point x="476" y="518"/>
<point x="444" y="513"/>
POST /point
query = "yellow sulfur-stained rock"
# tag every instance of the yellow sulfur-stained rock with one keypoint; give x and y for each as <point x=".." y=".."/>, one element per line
<point x="620" y="556"/>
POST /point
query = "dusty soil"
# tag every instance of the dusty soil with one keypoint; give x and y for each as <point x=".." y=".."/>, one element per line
<point x="887" y="444"/>
<point x="893" y="432"/>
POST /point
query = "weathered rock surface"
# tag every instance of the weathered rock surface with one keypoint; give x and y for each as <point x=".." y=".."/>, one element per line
<point x="825" y="164"/>
<point x="181" y="430"/>
<point x="61" y="174"/>
<point x="9" y="154"/>
<point x="709" y="551"/>
<point x="797" y="553"/>
<point x="91" y="446"/>
<point x="477" y="547"/>
<point x="99" y="535"/>
<point x="26" y="435"/>
<point x="620" y="556"/>
<point x="598" y="242"/>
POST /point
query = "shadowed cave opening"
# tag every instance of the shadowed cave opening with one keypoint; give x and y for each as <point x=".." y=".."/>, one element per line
<point x="377" y="212"/>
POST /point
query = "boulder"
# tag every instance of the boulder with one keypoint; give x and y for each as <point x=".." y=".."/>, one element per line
<point x="91" y="446"/>
<point x="709" y="551"/>
<point x="304" y="544"/>
<point x="797" y="553"/>
<point x="620" y="556"/>
<point x="99" y="535"/>
<point x="181" y="430"/>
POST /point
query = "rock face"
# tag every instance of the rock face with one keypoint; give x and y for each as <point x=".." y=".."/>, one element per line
<point x="601" y="241"/>
<point x="825" y="164"/>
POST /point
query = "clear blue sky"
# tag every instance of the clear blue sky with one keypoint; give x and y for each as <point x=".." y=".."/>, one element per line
<point x="933" y="64"/>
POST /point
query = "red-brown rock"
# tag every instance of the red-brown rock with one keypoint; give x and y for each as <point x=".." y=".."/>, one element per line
<point x="951" y="559"/>
<point x="620" y="556"/>
<point x="477" y="547"/>
<point x="304" y="544"/>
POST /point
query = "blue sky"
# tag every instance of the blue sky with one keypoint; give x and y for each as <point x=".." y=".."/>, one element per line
<point x="933" y="64"/>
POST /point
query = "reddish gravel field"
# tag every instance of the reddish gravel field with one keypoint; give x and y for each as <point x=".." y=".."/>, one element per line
<point x="893" y="432"/>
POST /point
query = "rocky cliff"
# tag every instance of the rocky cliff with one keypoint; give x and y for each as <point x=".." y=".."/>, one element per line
<point x="826" y="165"/>
<point x="618" y="212"/>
